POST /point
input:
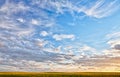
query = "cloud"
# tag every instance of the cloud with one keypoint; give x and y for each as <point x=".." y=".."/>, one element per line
<point x="18" y="31"/>
<point x="97" y="9"/>
<point x="10" y="7"/>
<point x="7" y="68"/>
<point x="34" y="22"/>
<point x="102" y="9"/>
<point x="44" y="33"/>
<point x="59" y="37"/>
<point x="117" y="47"/>
<point x="31" y="61"/>
<point x="21" y="20"/>
<point x="1" y="44"/>
<point x="41" y="43"/>
<point x="86" y="48"/>
<point x="114" y="40"/>
<point x="53" y="49"/>
<point x="113" y="35"/>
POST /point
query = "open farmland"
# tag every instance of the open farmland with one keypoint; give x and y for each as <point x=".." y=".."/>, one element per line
<point x="60" y="74"/>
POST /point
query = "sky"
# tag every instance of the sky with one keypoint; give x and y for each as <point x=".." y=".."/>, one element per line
<point x="60" y="35"/>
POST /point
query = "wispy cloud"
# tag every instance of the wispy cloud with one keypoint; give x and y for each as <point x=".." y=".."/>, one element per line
<point x="10" y="7"/>
<point x="43" y="33"/>
<point x="63" y="36"/>
<point x="97" y="9"/>
<point x="102" y="9"/>
<point x="114" y="44"/>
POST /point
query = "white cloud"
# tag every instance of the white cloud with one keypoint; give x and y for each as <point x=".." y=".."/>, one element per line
<point x="10" y="7"/>
<point x="41" y="43"/>
<point x="114" y="44"/>
<point x="113" y="39"/>
<point x="87" y="48"/>
<point x="97" y="9"/>
<point x="53" y="49"/>
<point x="101" y="9"/>
<point x="35" y="22"/>
<point x="44" y="33"/>
<point x="59" y="37"/>
<point x="114" y="48"/>
<point x="23" y="32"/>
<point x="21" y="20"/>
<point x="113" y="35"/>
<point x="7" y="68"/>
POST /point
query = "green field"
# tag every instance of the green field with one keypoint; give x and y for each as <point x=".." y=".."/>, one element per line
<point x="60" y="74"/>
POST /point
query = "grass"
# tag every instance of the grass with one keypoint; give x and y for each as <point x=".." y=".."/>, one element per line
<point x="60" y="74"/>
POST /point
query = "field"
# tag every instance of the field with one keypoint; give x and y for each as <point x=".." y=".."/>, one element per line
<point x="60" y="74"/>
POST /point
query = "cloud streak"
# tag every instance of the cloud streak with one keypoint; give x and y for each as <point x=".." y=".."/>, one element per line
<point x="63" y="36"/>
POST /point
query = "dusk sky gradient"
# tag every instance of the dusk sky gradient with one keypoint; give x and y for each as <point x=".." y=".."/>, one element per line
<point x="60" y="35"/>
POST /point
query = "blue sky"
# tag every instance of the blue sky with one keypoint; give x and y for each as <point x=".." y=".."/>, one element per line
<point x="59" y="35"/>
